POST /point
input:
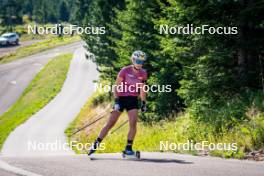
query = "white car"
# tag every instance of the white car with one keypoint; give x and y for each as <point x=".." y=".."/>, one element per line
<point x="9" y="38"/>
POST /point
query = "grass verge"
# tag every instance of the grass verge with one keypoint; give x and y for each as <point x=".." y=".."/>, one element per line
<point x="38" y="47"/>
<point x="22" y="31"/>
<point x="43" y="88"/>
<point x="157" y="136"/>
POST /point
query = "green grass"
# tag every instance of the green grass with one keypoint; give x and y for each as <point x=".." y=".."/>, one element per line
<point x="248" y="135"/>
<point x="27" y="37"/>
<point x="38" y="47"/>
<point x="148" y="136"/>
<point x="43" y="88"/>
<point x="22" y="31"/>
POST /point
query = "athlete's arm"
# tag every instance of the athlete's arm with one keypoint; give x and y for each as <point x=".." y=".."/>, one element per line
<point x="118" y="81"/>
<point x="143" y="94"/>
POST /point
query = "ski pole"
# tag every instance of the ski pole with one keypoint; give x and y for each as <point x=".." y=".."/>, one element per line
<point x="87" y="125"/>
<point x="119" y="127"/>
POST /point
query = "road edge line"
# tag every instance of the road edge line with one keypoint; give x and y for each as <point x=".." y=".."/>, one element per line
<point x="7" y="167"/>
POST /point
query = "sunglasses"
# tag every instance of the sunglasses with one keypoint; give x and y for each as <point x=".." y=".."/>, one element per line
<point x="140" y="62"/>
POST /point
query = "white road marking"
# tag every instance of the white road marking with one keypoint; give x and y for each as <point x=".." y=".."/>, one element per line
<point x="16" y="170"/>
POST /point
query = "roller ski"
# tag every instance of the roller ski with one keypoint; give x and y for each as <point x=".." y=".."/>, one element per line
<point x="131" y="154"/>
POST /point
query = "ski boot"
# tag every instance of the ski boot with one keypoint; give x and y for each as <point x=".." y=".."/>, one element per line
<point x="93" y="148"/>
<point x="130" y="154"/>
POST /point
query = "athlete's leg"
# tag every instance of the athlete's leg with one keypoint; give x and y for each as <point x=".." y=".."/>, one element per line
<point x="110" y="123"/>
<point x="133" y="117"/>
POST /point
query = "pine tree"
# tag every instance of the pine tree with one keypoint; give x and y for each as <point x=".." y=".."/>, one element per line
<point x="219" y="70"/>
<point x="100" y="13"/>
<point x="136" y="25"/>
<point x="64" y="12"/>
<point x="11" y="12"/>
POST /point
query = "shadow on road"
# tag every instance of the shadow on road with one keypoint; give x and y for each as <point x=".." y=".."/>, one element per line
<point x="165" y="161"/>
<point x="151" y="160"/>
<point x="9" y="46"/>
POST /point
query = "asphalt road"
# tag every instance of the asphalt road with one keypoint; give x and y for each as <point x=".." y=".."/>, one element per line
<point x="46" y="127"/>
<point x="15" y="76"/>
<point x="7" y="173"/>
<point x="154" y="164"/>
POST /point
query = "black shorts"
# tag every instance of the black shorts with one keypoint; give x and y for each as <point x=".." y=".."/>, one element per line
<point x="128" y="103"/>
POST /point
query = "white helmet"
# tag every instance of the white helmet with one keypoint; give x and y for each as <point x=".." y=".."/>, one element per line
<point x="138" y="57"/>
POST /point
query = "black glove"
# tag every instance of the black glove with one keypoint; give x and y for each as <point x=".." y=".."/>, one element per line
<point x="116" y="105"/>
<point x="143" y="107"/>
